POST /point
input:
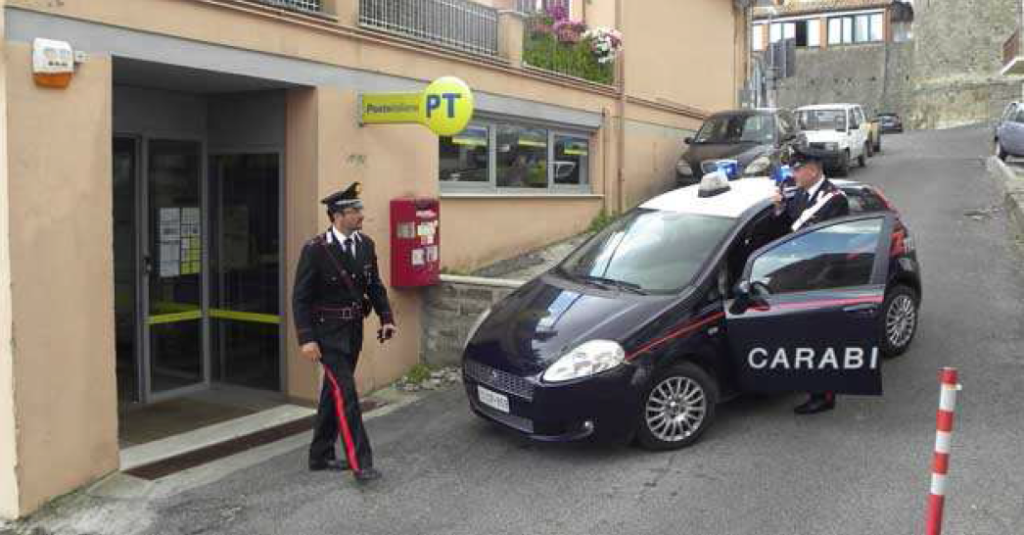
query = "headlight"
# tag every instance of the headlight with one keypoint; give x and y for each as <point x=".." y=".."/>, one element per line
<point x="832" y="146"/>
<point x="759" y="166"/>
<point x="587" y="359"/>
<point x="683" y="168"/>
<point x="476" y="325"/>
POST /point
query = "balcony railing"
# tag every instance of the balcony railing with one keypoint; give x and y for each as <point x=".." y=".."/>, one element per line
<point x="1011" y="48"/>
<point x="539" y="6"/>
<point x="308" y="6"/>
<point x="459" y="24"/>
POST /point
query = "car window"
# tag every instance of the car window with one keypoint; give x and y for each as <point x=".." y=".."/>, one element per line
<point x="836" y="256"/>
<point x="1018" y="117"/>
<point x="862" y="200"/>
<point x="1008" y="112"/>
<point x="822" y="119"/>
<point x="758" y="128"/>
<point x="655" y="250"/>
<point x="788" y="126"/>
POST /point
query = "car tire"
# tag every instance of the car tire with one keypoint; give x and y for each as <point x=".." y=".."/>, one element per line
<point x="862" y="160"/>
<point x="899" y="320"/>
<point x="659" y="429"/>
<point x="844" y="165"/>
<point x="1000" y="153"/>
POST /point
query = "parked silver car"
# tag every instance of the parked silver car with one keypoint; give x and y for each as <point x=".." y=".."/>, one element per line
<point x="1009" y="133"/>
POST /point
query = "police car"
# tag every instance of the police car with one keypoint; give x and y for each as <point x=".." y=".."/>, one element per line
<point x="696" y="296"/>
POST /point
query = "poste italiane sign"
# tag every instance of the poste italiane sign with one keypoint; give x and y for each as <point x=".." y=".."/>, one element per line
<point x="445" y="107"/>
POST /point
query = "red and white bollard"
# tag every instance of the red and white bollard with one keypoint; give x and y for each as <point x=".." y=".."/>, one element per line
<point x="943" y="437"/>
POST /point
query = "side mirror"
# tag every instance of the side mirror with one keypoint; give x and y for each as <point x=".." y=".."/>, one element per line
<point x="688" y="140"/>
<point x="741" y="297"/>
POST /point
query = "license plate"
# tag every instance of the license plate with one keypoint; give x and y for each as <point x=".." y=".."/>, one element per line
<point x="493" y="399"/>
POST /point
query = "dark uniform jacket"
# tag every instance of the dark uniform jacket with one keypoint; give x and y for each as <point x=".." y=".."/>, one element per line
<point x="334" y="291"/>
<point x="804" y="210"/>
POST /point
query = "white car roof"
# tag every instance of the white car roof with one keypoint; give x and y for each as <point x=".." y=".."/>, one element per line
<point x="743" y="194"/>
<point x="828" y="107"/>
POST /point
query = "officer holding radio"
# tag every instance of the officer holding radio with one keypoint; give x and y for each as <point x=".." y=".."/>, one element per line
<point x="337" y="282"/>
<point x="816" y="200"/>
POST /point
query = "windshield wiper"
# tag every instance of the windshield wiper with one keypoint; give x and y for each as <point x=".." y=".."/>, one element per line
<point x="621" y="285"/>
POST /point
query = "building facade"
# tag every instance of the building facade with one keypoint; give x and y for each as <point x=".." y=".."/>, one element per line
<point x="152" y="212"/>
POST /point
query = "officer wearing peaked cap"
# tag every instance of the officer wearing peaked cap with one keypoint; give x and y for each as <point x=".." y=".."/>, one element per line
<point x="816" y="200"/>
<point x="336" y="284"/>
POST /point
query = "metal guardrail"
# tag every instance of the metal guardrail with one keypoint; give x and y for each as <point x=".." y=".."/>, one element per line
<point x="1011" y="48"/>
<point x="534" y="6"/>
<point x="459" y="24"/>
<point x="309" y="6"/>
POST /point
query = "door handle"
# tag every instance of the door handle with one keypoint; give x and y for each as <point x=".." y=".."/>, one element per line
<point x="863" y="309"/>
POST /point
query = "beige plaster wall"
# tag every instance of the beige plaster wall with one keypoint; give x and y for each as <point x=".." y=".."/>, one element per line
<point x="683" y="52"/>
<point x="62" y="278"/>
<point x="8" y="438"/>
<point x="326" y="152"/>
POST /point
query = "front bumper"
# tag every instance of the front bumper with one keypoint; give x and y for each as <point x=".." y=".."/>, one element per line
<point x="830" y="157"/>
<point x="602" y="407"/>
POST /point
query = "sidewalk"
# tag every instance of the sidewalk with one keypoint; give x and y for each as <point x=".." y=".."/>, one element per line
<point x="1010" y="178"/>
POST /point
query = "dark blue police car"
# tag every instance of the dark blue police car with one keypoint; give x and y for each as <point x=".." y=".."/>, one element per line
<point x="683" y="302"/>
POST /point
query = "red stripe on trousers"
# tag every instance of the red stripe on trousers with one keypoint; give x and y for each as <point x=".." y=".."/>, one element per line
<point x="940" y="463"/>
<point x="339" y="409"/>
<point x="933" y="523"/>
<point x="944" y="421"/>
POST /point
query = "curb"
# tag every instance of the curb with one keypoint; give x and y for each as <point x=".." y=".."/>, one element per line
<point x="1011" y="186"/>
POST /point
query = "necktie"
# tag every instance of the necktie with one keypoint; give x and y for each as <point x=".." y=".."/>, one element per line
<point x="348" y="247"/>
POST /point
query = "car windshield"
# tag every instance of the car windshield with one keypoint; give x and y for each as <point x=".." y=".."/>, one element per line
<point x="648" y="251"/>
<point x="822" y="119"/>
<point x="737" y="129"/>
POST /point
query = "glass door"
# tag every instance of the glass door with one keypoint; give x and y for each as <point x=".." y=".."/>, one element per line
<point x="245" y="270"/>
<point x="174" y="267"/>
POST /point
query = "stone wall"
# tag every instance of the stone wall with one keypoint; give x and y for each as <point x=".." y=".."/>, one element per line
<point x="874" y="76"/>
<point x="451" y="308"/>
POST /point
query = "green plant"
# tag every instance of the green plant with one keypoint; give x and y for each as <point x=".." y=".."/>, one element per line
<point x="601" y="221"/>
<point x="418" y="374"/>
<point x="560" y="45"/>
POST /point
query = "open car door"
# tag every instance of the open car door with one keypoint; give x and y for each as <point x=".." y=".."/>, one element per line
<point x="805" y="315"/>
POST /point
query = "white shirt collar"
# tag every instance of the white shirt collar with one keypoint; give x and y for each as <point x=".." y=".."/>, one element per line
<point x="334" y="234"/>
<point x="815" y="188"/>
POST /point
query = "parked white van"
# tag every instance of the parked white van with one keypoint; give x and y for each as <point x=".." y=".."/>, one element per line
<point x="836" y="133"/>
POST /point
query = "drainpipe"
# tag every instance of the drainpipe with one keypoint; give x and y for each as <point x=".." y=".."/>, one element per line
<point x="621" y="142"/>
<point x="605" y="126"/>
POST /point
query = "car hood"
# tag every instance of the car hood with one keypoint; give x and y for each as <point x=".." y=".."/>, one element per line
<point x="550" y="316"/>
<point x="743" y="153"/>
<point x="824" y="136"/>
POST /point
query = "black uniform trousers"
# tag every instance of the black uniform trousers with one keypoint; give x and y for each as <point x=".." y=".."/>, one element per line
<point x="339" y="412"/>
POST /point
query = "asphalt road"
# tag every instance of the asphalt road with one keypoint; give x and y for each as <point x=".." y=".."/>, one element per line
<point x="863" y="468"/>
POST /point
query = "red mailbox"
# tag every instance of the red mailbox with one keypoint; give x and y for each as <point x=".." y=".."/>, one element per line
<point x="415" y="242"/>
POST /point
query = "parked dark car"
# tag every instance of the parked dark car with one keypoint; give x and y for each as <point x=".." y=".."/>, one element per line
<point x="1009" y="134"/>
<point x="754" y="140"/>
<point x="644" y="328"/>
<point x="890" y="122"/>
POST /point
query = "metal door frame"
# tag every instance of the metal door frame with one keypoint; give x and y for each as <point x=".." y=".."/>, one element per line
<point x="230" y="150"/>
<point x="148" y="396"/>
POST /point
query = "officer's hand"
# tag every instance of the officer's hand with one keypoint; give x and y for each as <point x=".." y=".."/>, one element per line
<point x="311" y="351"/>
<point x="388" y="331"/>
<point x="777" y="199"/>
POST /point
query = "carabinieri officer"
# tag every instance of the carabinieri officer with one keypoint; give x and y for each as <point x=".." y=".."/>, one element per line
<point x="336" y="284"/>
<point x="816" y="200"/>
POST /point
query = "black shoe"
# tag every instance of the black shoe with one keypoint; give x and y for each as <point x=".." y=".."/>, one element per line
<point x="330" y="464"/>
<point x="367" y="474"/>
<point x="816" y="404"/>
